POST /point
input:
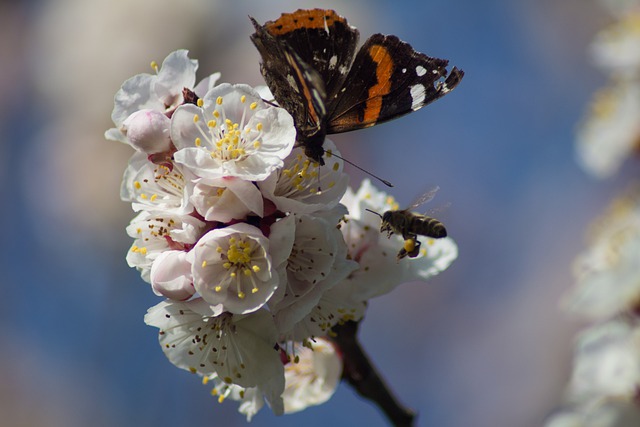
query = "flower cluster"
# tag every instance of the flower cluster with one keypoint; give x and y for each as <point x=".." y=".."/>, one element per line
<point x="257" y="250"/>
<point x="604" y="387"/>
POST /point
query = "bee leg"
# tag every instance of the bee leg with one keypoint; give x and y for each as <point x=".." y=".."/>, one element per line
<point x="410" y="247"/>
<point x="415" y="251"/>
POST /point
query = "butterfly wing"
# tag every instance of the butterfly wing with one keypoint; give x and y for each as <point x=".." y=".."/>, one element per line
<point x="290" y="80"/>
<point x="322" y="39"/>
<point x="388" y="79"/>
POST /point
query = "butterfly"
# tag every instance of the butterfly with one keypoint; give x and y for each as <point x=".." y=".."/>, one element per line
<point x="310" y="64"/>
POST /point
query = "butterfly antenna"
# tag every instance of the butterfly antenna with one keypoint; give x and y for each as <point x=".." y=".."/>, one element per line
<point x="374" y="212"/>
<point x="384" y="181"/>
<point x="272" y="103"/>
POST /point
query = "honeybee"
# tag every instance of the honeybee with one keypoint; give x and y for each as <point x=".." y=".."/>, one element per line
<point x="410" y="225"/>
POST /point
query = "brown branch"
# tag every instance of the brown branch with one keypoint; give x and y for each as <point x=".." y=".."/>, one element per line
<point x="365" y="379"/>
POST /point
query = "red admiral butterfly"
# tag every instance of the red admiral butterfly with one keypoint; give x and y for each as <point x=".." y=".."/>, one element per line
<point x="308" y="63"/>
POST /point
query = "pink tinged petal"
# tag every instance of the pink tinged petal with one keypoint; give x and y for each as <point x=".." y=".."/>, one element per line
<point x="148" y="131"/>
<point x="171" y="275"/>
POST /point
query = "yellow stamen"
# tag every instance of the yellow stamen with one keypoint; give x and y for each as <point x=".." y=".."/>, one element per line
<point x="200" y="103"/>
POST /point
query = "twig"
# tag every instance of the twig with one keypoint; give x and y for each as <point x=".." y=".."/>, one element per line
<point x="365" y="379"/>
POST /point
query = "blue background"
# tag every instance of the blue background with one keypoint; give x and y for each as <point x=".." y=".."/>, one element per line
<point x="484" y="344"/>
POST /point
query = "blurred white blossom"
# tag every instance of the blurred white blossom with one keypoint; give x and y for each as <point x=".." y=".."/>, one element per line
<point x="608" y="272"/>
<point x="611" y="131"/>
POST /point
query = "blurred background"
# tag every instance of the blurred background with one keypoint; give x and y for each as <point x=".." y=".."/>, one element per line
<point x="484" y="344"/>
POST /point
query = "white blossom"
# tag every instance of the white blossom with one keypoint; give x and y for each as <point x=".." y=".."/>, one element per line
<point x="161" y="92"/>
<point x="607" y="363"/>
<point x="303" y="186"/>
<point x="609" y="134"/>
<point x="607" y="413"/>
<point x="156" y="187"/>
<point x="608" y="272"/>
<point x="235" y="266"/>
<point x="616" y="47"/>
<point x="232" y="132"/>
<point x="239" y="349"/>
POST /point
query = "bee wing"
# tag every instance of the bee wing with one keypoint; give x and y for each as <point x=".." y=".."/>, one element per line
<point x="438" y="210"/>
<point x="426" y="197"/>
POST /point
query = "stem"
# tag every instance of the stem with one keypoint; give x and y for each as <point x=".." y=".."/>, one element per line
<point x="365" y="379"/>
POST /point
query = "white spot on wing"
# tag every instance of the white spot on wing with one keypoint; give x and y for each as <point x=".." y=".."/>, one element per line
<point x="417" y="96"/>
<point x="332" y="62"/>
<point x="421" y="71"/>
<point x="404" y="70"/>
<point x="292" y="82"/>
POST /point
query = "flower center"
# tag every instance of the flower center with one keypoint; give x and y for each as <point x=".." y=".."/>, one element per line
<point x="302" y="176"/>
<point x="228" y="139"/>
<point x="239" y="257"/>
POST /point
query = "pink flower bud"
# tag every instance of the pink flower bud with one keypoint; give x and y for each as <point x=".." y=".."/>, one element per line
<point x="148" y="131"/>
<point x="171" y="275"/>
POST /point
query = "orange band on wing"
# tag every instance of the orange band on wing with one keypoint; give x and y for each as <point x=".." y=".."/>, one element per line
<point x="384" y="68"/>
<point x="307" y="19"/>
<point x="307" y="95"/>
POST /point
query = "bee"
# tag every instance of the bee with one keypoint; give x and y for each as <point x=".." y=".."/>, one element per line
<point x="410" y="225"/>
